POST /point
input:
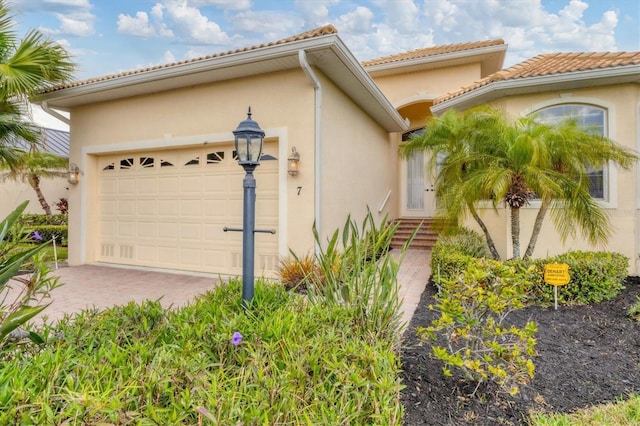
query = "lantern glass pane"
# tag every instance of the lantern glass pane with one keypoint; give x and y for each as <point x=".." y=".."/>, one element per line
<point x="255" y="148"/>
<point x="241" y="148"/>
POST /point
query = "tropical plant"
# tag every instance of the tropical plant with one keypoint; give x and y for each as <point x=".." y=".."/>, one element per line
<point x="21" y="298"/>
<point x="30" y="166"/>
<point x="482" y="155"/>
<point x="27" y="66"/>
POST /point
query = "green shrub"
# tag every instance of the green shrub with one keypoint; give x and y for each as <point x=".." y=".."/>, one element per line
<point x="294" y="363"/>
<point x="464" y="241"/>
<point x="634" y="310"/>
<point x="470" y="334"/>
<point x="595" y="277"/>
<point x="30" y="220"/>
<point x="46" y="233"/>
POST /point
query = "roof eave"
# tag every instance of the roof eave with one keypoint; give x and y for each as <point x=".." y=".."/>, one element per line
<point x="443" y="59"/>
<point x="246" y="63"/>
<point x="520" y="86"/>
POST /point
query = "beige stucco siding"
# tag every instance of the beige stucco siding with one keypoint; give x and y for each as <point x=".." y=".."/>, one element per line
<point x="406" y="88"/>
<point x="622" y="103"/>
<point x="13" y="193"/>
<point x="281" y="103"/>
<point x="358" y="163"/>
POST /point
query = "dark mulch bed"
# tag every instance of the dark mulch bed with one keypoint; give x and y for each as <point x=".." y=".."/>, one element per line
<point x="587" y="355"/>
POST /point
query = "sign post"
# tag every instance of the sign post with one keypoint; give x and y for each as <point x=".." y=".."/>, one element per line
<point x="556" y="274"/>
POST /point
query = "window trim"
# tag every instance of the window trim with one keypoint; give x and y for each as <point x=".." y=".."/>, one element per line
<point x="609" y="125"/>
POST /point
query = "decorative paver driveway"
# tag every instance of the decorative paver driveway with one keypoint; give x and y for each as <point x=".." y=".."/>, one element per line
<point x="100" y="286"/>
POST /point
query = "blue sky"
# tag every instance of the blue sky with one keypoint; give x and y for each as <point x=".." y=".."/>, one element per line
<point x="111" y="36"/>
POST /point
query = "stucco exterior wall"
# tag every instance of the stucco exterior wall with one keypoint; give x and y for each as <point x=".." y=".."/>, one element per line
<point x="406" y="88"/>
<point x="282" y="104"/>
<point x="622" y="103"/>
<point x="13" y="193"/>
<point x="359" y="163"/>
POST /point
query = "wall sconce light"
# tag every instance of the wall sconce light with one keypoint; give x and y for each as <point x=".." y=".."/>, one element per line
<point x="74" y="173"/>
<point x="294" y="162"/>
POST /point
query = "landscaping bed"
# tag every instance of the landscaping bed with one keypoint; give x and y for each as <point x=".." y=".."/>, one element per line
<point x="586" y="355"/>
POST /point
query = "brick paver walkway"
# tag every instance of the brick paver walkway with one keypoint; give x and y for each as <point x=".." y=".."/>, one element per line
<point x="101" y="286"/>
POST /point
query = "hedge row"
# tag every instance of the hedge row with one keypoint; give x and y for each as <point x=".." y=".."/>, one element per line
<point x="595" y="276"/>
<point x="45" y="233"/>
<point x="31" y="220"/>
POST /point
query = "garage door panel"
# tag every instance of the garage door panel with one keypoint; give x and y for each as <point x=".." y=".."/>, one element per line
<point x="127" y="186"/>
<point x="167" y="209"/>
<point x="169" y="184"/>
<point x="126" y="207"/>
<point x="126" y="229"/>
<point x="217" y="184"/>
<point x="147" y="208"/>
<point x="168" y="230"/>
<point x="190" y="232"/>
<point x="108" y="187"/>
<point x="146" y="230"/>
<point x="147" y="186"/>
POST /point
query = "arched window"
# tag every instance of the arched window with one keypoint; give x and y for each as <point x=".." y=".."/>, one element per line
<point x="591" y="119"/>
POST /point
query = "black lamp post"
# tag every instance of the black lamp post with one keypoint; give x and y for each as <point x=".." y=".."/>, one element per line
<point x="249" y="138"/>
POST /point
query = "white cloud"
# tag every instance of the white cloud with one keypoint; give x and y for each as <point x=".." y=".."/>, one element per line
<point x="357" y="22"/>
<point x="315" y="13"/>
<point x="272" y="24"/>
<point x="223" y="4"/>
<point x="141" y="26"/>
<point x="75" y="27"/>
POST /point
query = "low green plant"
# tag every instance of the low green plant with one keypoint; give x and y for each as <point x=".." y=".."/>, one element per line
<point x="284" y="361"/>
<point x="464" y="241"/>
<point x="620" y="413"/>
<point x="21" y="297"/>
<point x="595" y="277"/>
<point x="470" y="334"/>
<point x="634" y="310"/>
<point x="358" y="271"/>
<point x="33" y="219"/>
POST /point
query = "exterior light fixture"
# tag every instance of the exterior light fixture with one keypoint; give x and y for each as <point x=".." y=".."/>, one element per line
<point x="73" y="173"/>
<point x="249" y="138"/>
<point x="293" y="162"/>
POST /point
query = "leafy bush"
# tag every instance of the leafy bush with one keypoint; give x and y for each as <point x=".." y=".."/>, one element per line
<point x="634" y="310"/>
<point x="464" y="241"/>
<point x="595" y="276"/>
<point x="32" y="220"/>
<point x="45" y="233"/>
<point x="21" y="298"/>
<point x="473" y="308"/>
<point x="284" y="361"/>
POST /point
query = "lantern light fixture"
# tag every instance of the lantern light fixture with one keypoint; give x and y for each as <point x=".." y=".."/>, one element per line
<point x="73" y="173"/>
<point x="293" y="162"/>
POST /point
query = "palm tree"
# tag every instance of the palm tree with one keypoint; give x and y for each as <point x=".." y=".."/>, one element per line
<point x="485" y="156"/>
<point x="27" y="67"/>
<point x="31" y="166"/>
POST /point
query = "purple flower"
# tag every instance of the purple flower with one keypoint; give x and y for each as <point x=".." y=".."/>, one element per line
<point x="37" y="236"/>
<point x="236" y="338"/>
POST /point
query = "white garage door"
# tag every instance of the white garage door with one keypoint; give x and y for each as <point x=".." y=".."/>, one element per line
<point x="168" y="208"/>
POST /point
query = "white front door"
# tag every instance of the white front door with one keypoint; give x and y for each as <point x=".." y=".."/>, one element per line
<point x="419" y="192"/>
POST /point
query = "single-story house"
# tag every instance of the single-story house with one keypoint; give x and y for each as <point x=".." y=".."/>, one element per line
<point x="159" y="181"/>
<point x="13" y="193"/>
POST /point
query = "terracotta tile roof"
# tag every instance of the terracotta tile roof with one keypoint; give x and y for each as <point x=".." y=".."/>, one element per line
<point x="552" y="64"/>
<point x="432" y="51"/>
<point x="317" y="32"/>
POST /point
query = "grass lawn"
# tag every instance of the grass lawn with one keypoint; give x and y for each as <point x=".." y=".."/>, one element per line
<point x="620" y="414"/>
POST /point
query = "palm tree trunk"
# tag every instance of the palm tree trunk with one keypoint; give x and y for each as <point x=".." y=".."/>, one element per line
<point x="34" y="181"/>
<point x="515" y="231"/>
<point x="487" y="236"/>
<point x="537" y="226"/>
